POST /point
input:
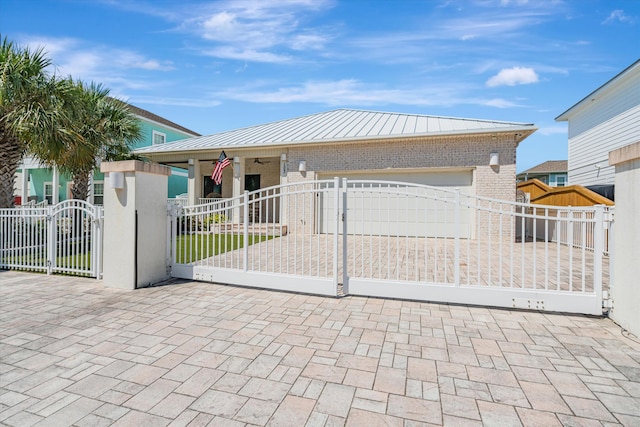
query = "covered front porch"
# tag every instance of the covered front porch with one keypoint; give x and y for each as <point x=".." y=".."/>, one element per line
<point x="250" y="172"/>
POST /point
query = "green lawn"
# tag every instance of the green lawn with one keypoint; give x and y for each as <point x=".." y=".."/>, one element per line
<point x="189" y="248"/>
<point x="194" y="247"/>
<point x="39" y="258"/>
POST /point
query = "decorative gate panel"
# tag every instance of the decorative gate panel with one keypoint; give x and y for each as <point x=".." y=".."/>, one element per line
<point x="440" y="245"/>
<point x="64" y="238"/>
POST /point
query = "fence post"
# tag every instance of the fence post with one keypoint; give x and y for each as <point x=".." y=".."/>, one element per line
<point x="336" y="231"/>
<point x="96" y="238"/>
<point x="598" y="249"/>
<point x="345" y="232"/>
<point x="171" y="235"/>
<point x="456" y="216"/>
<point x="245" y="232"/>
<point x="611" y="225"/>
<point x="51" y="244"/>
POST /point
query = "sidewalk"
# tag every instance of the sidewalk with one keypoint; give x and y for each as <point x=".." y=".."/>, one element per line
<point x="197" y="354"/>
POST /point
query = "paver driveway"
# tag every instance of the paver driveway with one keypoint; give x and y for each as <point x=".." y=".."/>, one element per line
<point x="75" y="353"/>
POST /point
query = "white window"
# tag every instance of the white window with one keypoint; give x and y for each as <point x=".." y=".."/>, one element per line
<point x="48" y="192"/>
<point x="159" y="137"/>
<point x="560" y="181"/>
<point x="98" y="192"/>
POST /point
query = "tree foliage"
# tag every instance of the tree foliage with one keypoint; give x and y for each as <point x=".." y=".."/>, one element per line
<point x="33" y="108"/>
<point x="105" y="129"/>
<point x="61" y="122"/>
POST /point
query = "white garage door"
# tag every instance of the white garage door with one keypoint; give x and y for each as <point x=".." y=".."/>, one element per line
<point x="379" y="209"/>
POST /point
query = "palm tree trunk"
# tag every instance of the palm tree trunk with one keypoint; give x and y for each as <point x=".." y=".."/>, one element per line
<point x="79" y="191"/>
<point x="12" y="153"/>
<point x="80" y="188"/>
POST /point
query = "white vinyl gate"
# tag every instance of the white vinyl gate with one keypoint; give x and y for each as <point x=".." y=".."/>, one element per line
<point x="484" y="251"/>
<point x="64" y="238"/>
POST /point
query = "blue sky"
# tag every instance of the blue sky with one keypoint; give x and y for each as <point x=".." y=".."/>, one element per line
<point x="218" y="65"/>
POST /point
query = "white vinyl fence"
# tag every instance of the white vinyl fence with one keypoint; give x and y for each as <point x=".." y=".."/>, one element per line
<point x="63" y="238"/>
<point x="570" y="229"/>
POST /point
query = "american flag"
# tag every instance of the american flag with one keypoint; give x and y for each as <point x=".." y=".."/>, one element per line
<point x="223" y="162"/>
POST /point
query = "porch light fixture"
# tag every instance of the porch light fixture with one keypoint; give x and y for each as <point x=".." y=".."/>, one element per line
<point x="116" y="180"/>
<point x="494" y="159"/>
<point x="283" y="164"/>
<point x="302" y="166"/>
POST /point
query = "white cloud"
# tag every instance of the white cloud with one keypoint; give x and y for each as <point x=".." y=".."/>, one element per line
<point x="354" y="92"/>
<point x="618" y="15"/>
<point x="517" y="2"/>
<point x="250" y="55"/>
<point x="76" y="57"/>
<point x="499" y="103"/>
<point x="178" y="102"/>
<point x="52" y="46"/>
<point x="128" y="59"/>
<point x="308" y="41"/>
<point x="117" y="69"/>
<point x="260" y="31"/>
<point x="552" y="130"/>
<point x="513" y="76"/>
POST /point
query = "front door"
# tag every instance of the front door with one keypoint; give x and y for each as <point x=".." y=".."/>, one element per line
<point x="251" y="182"/>
<point x="211" y="190"/>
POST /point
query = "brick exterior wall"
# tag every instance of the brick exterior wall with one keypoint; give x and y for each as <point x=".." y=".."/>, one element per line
<point x="449" y="152"/>
<point x="470" y="152"/>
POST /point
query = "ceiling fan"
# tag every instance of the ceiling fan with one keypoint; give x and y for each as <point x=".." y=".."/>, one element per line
<point x="261" y="162"/>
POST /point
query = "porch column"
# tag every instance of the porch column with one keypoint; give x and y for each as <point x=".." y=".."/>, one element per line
<point x="24" y="191"/>
<point x="238" y="184"/>
<point x="194" y="186"/>
<point x="55" y="183"/>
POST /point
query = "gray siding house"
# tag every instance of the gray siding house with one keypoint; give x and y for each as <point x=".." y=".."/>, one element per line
<point x="606" y="119"/>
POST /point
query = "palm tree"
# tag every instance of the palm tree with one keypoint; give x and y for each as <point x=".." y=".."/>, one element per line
<point x="33" y="109"/>
<point x="105" y="129"/>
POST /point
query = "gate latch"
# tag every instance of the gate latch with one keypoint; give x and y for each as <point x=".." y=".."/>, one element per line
<point x="607" y="302"/>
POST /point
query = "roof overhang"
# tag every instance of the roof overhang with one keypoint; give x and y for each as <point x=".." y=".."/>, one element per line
<point x="166" y="154"/>
<point x="618" y="79"/>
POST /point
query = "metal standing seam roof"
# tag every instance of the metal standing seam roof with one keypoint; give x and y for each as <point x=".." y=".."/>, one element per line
<point x="335" y="126"/>
<point x="550" y="166"/>
<point x="156" y="118"/>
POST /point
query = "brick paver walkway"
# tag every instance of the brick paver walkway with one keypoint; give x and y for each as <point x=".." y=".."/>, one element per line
<point x="75" y="353"/>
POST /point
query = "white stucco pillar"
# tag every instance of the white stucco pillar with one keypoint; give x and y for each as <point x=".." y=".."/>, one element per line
<point x="55" y="186"/>
<point x="135" y="223"/>
<point x="625" y="289"/>
<point x="194" y="185"/>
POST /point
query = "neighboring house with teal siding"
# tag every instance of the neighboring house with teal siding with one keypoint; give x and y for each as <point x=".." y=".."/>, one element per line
<point x="552" y="172"/>
<point x="38" y="183"/>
